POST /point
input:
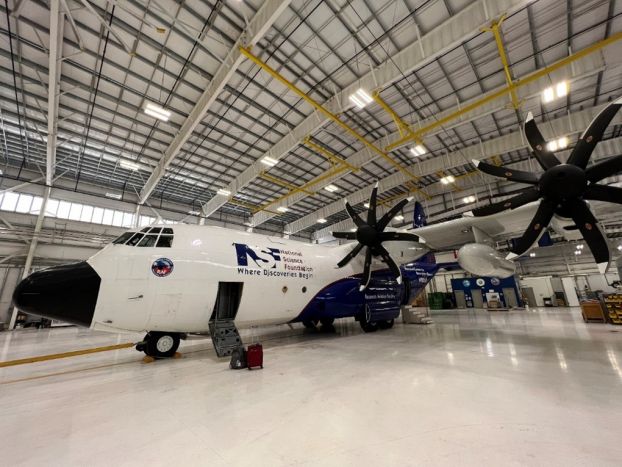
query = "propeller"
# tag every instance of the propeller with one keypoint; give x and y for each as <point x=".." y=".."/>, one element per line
<point x="563" y="188"/>
<point x="370" y="234"/>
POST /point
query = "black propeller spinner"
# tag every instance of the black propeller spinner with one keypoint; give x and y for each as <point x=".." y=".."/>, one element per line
<point x="371" y="234"/>
<point x="563" y="188"/>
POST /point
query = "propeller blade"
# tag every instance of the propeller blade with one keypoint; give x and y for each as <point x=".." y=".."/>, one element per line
<point x="371" y="212"/>
<point x="354" y="216"/>
<point x="366" y="271"/>
<point x="398" y="236"/>
<point x="512" y="175"/>
<point x="611" y="194"/>
<point x="592" y="136"/>
<point x="537" y="225"/>
<point x="538" y="145"/>
<point x="349" y="256"/>
<point x="386" y="257"/>
<point x="596" y="241"/>
<point x="384" y="220"/>
<point x="526" y="196"/>
<point x="345" y="235"/>
<point x="604" y="169"/>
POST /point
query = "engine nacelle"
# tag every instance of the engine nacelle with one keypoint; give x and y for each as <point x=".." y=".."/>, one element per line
<point x="483" y="260"/>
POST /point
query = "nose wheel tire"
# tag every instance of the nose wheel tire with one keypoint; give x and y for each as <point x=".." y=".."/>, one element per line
<point x="160" y="344"/>
<point x="365" y="320"/>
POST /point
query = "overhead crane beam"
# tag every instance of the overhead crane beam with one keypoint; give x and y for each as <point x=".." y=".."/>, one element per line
<point x="535" y="76"/>
<point x="462" y="26"/>
<point x="564" y="125"/>
<point x="586" y="66"/>
<point x="495" y="29"/>
<point x="255" y="30"/>
<point x="327" y="113"/>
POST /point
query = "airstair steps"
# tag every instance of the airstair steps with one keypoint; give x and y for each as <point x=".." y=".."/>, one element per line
<point x="225" y="336"/>
<point x="415" y="315"/>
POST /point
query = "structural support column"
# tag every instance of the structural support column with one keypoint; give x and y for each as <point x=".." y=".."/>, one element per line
<point x="33" y="246"/>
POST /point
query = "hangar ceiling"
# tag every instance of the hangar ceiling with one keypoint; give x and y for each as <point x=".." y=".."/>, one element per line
<point x="259" y="132"/>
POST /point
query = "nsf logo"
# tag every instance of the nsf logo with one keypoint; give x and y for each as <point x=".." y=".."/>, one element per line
<point x="264" y="258"/>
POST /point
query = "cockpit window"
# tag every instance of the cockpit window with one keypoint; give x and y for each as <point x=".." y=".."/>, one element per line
<point x="165" y="241"/>
<point x="135" y="239"/>
<point x="123" y="238"/>
<point x="148" y="241"/>
<point x="151" y="239"/>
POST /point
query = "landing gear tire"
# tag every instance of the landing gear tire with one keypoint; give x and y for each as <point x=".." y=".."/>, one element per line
<point x="386" y="324"/>
<point x="310" y="324"/>
<point x="366" y="323"/>
<point x="159" y="344"/>
<point x="327" y="321"/>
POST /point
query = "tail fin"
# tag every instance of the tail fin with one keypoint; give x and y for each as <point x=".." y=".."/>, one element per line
<point x="419" y="218"/>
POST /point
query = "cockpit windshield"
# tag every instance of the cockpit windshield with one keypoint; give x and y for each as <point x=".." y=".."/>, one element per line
<point x="159" y="237"/>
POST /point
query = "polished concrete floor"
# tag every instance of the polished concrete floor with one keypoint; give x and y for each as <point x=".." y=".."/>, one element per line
<point x="535" y="387"/>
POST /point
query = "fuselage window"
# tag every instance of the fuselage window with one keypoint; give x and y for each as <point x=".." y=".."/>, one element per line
<point x="165" y="241"/>
<point x="123" y="238"/>
<point x="145" y="230"/>
<point x="148" y="241"/>
<point x="135" y="239"/>
<point x="167" y="230"/>
<point x="155" y="230"/>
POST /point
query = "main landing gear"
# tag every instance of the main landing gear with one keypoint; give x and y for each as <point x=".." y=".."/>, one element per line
<point x="327" y="324"/>
<point x="158" y="344"/>
<point x="368" y="324"/>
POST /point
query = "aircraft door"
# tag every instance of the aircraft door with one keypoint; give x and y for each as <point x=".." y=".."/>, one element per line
<point x="227" y="301"/>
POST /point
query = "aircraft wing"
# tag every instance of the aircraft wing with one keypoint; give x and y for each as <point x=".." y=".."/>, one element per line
<point x="455" y="233"/>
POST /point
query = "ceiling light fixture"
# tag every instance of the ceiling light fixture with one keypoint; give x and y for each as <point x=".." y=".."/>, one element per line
<point x="532" y="254"/>
<point x="468" y="199"/>
<point x="331" y="188"/>
<point x="361" y="98"/>
<point x="557" y="91"/>
<point x="158" y="112"/>
<point x="282" y="209"/>
<point x="113" y="195"/>
<point x="399" y="217"/>
<point x="269" y="161"/>
<point x="557" y="144"/>
<point x="577" y="252"/>
<point x="194" y="213"/>
<point x="418" y="150"/>
<point x="223" y="192"/>
<point x="321" y="221"/>
<point x="448" y="179"/>
<point x="366" y="205"/>
<point x="129" y="165"/>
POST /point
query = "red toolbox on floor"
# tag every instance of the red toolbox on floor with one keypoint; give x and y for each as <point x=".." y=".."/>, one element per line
<point x="254" y="356"/>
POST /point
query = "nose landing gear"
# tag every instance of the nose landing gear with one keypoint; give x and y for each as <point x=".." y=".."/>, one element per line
<point x="158" y="344"/>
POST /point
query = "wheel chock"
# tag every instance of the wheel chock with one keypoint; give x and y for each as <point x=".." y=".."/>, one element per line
<point x="148" y="359"/>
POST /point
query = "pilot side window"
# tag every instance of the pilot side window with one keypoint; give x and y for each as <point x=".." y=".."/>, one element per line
<point x="165" y="241"/>
<point x="123" y="238"/>
<point x="148" y="241"/>
<point x="135" y="239"/>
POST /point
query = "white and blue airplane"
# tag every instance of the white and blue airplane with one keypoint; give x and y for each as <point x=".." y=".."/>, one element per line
<point x="170" y="281"/>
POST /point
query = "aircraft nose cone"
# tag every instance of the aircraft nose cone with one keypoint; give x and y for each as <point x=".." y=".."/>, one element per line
<point x="67" y="293"/>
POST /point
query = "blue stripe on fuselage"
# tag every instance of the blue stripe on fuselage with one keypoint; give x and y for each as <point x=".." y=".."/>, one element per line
<point x="383" y="296"/>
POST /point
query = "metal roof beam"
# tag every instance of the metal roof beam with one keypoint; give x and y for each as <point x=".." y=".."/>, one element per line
<point x="464" y="25"/>
<point x="258" y="26"/>
<point x="57" y="20"/>
<point x="566" y="125"/>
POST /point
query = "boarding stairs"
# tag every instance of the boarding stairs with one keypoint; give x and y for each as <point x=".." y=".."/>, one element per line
<point x="225" y="336"/>
<point x="415" y="315"/>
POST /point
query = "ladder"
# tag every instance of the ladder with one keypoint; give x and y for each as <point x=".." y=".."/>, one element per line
<point x="225" y="336"/>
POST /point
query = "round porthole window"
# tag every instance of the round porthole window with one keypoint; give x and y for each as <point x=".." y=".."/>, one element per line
<point x="304" y="289"/>
<point x="284" y="289"/>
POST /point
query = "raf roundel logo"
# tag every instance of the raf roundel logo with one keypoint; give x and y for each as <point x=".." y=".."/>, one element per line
<point x="162" y="267"/>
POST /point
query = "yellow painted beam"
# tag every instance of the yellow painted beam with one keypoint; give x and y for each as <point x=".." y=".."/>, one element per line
<point x="331" y="116"/>
<point x="280" y="182"/>
<point x="55" y="356"/>
<point x="507" y="89"/>
<point x="329" y="155"/>
<point x="402" y="126"/>
<point x="495" y="29"/>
